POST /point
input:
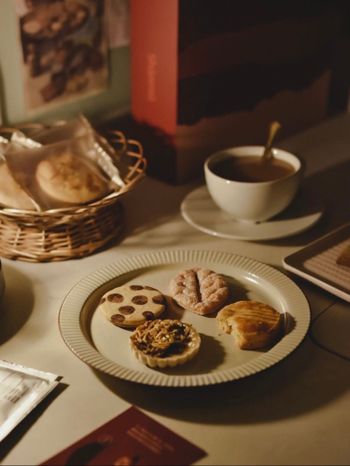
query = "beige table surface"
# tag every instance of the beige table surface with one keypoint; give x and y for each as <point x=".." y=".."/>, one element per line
<point x="297" y="412"/>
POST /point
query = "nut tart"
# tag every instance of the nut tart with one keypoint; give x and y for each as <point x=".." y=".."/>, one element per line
<point x="165" y="343"/>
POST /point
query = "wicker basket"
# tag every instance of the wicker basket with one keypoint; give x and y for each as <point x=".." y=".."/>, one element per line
<point x="72" y="232"/>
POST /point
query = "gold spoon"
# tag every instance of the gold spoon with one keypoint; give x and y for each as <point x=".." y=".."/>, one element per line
<point x="274" y="127"/>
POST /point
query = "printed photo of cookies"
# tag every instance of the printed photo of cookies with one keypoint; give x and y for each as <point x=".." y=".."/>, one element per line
<point x="128" y="306"/>
<point x="200" y="290"/>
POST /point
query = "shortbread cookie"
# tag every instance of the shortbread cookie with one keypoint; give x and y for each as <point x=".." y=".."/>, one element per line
<point x="253" y="324"/>
<point x="199" y="290"/>
<point x="165" y="343"/>
<point x="131" y="305"/>
<point x="66" y="178"/>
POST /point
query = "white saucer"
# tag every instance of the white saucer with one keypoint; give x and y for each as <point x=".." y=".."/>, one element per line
<point x="199" y="210"/>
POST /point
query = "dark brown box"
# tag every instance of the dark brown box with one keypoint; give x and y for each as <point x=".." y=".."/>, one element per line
<point x="208" y="75"/>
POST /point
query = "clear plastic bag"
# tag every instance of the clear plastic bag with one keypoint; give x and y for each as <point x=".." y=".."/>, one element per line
<point x="61" y="174"/>
<point x="99" y="151"/>
<point x="21" y="389"/>
<point x="12" y="195"/>
<point x="3" y="146"/>
<point x="61" y="131"/>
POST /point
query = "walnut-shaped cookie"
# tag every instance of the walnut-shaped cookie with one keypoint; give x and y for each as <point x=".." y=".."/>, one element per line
<point x="131" y="305"/>
<point x="199" y="290"/>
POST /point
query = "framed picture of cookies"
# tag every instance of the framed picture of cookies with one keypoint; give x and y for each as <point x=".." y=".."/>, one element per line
<point x="60" y="62"/>
<point x="64" y="50"/>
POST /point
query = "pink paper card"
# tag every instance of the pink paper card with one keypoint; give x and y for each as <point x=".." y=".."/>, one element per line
<point x="132" y="438"/>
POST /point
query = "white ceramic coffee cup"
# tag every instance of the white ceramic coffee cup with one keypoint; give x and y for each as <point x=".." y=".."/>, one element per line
<point x="252" y="201"/>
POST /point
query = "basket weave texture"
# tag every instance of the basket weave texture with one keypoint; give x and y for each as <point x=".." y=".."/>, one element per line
<point x="72" y="232"/>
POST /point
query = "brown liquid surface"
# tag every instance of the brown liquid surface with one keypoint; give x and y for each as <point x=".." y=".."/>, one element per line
<point x="251" y="169"/>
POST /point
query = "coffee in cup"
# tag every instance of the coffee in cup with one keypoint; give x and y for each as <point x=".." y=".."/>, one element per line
<point x="251" y="169"/>
<point x="248" y="188"/>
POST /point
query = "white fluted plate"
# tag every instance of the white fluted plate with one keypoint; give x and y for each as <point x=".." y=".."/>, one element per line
<point x="200" y="211"/>
<point x="106" y="347"/>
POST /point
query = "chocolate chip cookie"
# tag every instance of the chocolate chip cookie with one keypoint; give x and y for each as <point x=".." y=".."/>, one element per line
<point x="131" y="305"/>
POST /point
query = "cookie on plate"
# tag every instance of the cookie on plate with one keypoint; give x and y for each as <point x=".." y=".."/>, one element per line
<point x="199" y="290"/>
<point x="254" y="325"/>
<point x="165" y="343"/>
<point x="65" y="178"/>
<point x="131" y="305"/>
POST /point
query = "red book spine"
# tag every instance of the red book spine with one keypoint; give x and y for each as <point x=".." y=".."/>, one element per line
<point x="154" y="63"/>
